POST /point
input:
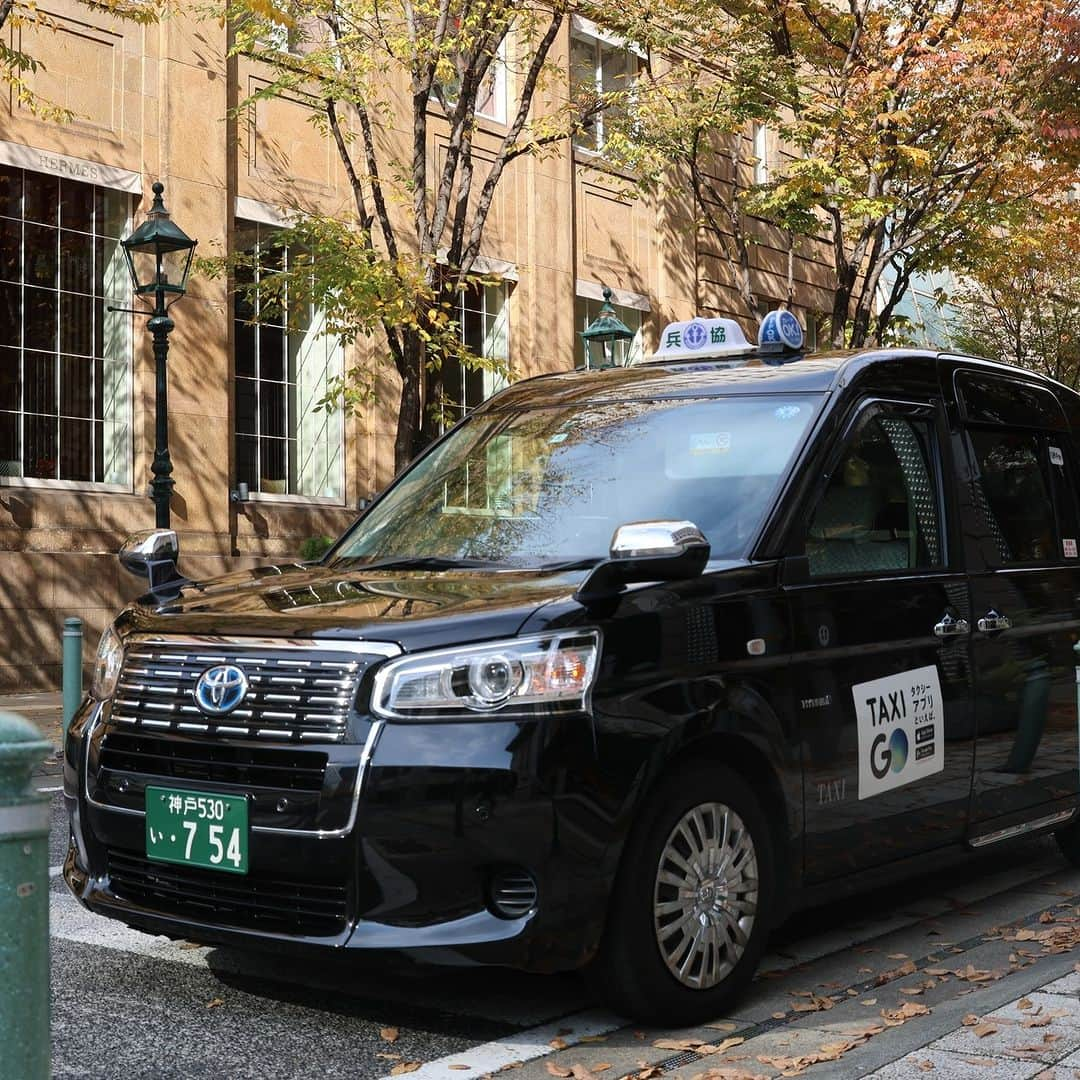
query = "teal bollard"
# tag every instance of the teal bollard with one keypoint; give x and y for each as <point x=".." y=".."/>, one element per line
<point x="72" y="677"/>
<point x="24" y="904"/>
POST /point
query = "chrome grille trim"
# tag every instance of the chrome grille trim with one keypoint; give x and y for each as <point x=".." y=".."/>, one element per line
<point x="292" y="697"/>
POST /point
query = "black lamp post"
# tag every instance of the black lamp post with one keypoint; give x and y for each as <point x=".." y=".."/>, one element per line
<point x="605" y="329"/>
<point x="159" y="255"/>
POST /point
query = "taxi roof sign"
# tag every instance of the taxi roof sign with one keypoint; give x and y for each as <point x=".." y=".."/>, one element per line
<point x="719" y="339"/>
<point x="780" y="330"/>
<point x="700" y="339"/>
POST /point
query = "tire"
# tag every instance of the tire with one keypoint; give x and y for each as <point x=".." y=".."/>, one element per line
<point x="1068" y="840"/>
<point x="642" y="970"/>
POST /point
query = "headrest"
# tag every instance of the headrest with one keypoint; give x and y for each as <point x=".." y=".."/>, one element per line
<point x="846" y="513"/>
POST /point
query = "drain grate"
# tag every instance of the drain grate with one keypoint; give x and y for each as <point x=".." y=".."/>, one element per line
<point x="687" y="1057"/>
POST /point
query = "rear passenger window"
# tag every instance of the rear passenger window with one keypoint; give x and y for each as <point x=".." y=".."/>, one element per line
<point x="879" y="511"/>
<point x="1011" y="490"/>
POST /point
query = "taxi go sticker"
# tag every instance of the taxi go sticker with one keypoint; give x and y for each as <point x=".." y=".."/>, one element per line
<point x="900" y="730"/>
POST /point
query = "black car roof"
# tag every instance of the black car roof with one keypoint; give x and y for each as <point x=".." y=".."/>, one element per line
<point x="818" y="372"/>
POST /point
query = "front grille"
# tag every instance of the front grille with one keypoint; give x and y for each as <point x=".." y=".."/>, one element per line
<point x="299" y="695"/>
<point x="271" y="905"/>
<point x="187" y="759"/>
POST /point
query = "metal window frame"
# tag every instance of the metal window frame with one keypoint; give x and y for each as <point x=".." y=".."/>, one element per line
<point x="290" y="420"/>
<point x="56" y="482"/>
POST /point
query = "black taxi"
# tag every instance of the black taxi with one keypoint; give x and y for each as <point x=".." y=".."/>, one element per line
<point x="624" y="668"/>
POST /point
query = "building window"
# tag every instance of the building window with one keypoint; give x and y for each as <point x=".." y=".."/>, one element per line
<point x="762" y="139"/>
<point x="622" y="353"/>
<point x="599" y="67"/>
<point x="65" y="358"/>
<point x="482" y="316"/>
<point x="285" y="362"/>
<point x="490" y="95"/>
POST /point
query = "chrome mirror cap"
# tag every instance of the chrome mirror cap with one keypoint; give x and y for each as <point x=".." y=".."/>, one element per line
<point x="153" y="545"/>
<point x="655" y="539"/>
<point x="153" y="555"/>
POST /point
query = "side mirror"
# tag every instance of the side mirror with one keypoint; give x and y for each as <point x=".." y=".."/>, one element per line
<point x="648" y="551"/>
<point x="153" y="555"/>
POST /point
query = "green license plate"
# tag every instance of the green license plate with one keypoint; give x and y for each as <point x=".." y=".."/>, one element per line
<point x="197" y="828"/>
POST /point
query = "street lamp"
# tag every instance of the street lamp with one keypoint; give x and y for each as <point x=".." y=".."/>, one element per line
<point x="159" y="255"/>
<point x="604" y="330"/>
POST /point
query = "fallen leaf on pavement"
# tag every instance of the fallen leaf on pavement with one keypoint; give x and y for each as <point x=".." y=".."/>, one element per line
<point x="557" y="1070"/>
<point x="403" y="1067"/>
<point x="901" y="1015"/>
<point x="815" y="1004"/>
<point x="984" y="1029"/>
<point x="970" y="1020"/>
<point x="215" y="1003"/>
<point x="601" y="1066"/>
<point x="926" y="1066"/>
<point x="1025" y="1003"/>
<point x="868" y="1001"/>
<point x="779" y="1016"/>
<point x="912" y="991"/>
<point x="593" y="1038"/>
<point x="558" y="1044"/>
<point x="460" y="1067"/>
<point x="388" y="1034"/>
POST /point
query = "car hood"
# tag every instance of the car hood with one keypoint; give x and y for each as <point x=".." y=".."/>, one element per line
<point x="414" y="609"/>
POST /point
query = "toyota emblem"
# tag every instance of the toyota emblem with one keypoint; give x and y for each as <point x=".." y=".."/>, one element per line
<point x="220" y="689"/>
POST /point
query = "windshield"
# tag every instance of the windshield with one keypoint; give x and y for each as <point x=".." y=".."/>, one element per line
<point x="549" y="486"/>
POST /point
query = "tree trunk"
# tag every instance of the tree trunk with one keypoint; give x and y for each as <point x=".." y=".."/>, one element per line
<point x="841" y="306"/>
<point x="408" y="440"/>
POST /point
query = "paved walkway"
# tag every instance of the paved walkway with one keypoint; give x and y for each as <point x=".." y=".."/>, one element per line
<point x="45" y="710"/>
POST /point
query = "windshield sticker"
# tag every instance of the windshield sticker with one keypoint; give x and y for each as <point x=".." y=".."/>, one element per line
<point x="786" y="412"/>
<point x="710" y="442"/>
<point x="1056" y="456"/>
<point x="900" y="730"/>
<point x="1069" y="546"/>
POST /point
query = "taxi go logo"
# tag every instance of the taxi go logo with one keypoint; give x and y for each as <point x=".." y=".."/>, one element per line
<point x="900" y="732"/>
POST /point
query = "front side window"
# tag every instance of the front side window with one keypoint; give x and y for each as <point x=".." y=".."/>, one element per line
<point x="599" y="68"/>
<point x="879" y="510"/>
<point x="65" y="358"/>
<point x="454" y="389"/>
<point x="1011" y="492"/>
<point x="618" y="353"/>
<point x="285" y="361"/>
<point x="551" y="485"/>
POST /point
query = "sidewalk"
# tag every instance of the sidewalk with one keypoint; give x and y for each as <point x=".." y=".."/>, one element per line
<point x="46" y="711"/>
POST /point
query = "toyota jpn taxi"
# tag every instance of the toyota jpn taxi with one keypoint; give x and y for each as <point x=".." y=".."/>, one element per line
<point x="625" y="667"/>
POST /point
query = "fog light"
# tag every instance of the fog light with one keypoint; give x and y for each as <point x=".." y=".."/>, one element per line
<point x="513" y="893"/>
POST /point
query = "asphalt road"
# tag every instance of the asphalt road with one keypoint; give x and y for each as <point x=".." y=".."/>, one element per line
<point x="129" y="1005"/>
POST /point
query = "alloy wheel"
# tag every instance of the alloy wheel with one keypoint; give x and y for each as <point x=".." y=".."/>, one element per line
<point x="706" y="895"/>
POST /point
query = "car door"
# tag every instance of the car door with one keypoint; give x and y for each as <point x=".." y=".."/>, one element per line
<point x="1018" y="480"/>
<point x="881" y="676"/>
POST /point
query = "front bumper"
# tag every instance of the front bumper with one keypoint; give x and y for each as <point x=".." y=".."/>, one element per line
<point x="442" y="811"/>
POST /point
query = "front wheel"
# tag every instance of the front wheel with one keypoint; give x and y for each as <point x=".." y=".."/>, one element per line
<point x="689" y="916"/>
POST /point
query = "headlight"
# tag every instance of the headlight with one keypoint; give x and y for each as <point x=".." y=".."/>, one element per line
<point x="546" y="673"/>
<point x="110" y="658"/>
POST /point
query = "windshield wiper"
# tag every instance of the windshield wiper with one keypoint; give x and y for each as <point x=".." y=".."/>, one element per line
<point x="566" y="564"/>
<point x="423" y="562"/>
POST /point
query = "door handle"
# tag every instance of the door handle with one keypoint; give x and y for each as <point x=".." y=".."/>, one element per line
<point x="992" y="621"/>
<point x="950" y="627"/>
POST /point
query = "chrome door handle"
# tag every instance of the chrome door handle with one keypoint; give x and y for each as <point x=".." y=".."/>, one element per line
<point x="950" y="627"/>
<point x="992" y="621"/>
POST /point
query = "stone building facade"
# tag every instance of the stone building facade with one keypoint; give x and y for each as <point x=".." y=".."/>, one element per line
<point x="76" y="379"/>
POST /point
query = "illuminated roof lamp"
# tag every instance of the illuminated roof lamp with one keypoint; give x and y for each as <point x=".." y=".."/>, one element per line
<point x="703" y="339"/>
<point x="780" y="333"/>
